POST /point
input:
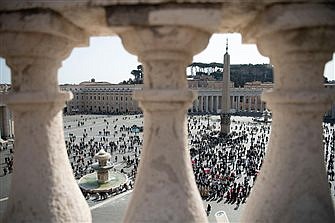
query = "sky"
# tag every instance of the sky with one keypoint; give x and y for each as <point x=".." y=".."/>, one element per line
<point x="105" y="59"/>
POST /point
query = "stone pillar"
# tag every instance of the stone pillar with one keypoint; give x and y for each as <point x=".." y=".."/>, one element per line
<point x="165" y="189"/>
<point x="220" y="102"/>
<point x="43" y="188"/>
<point x="201" y="103"/>
<point x="292" y="184"/>
<point x="6" y="123"/>
<point x="1" y="120"/>
<point x="249" y="103"/>
<point x="243" y="104"/>
<point x="206" y="104"/>
<point x="256" y="103"/>
<point x="235" y="102"/>
<point x="197" y="104"/>
<point x="212" y="104"/>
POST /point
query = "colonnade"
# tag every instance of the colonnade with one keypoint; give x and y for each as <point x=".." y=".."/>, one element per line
<point x="240" y="103"/>
<point x="6" y="123"/>
<point x="292" y="184"/>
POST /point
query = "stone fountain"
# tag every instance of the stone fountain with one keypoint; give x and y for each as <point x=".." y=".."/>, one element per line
<point x="103" y="166"/>
<point x="104" y="179"/>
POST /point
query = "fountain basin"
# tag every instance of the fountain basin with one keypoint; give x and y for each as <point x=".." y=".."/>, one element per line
<point x="89" y="182"/>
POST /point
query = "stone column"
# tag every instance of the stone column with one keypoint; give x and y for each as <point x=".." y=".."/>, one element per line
<point x="243" y="105"/>
<point x="206" y="104"/>
<point x="165" y="189"/>
<point x="292" y="184"/>
<point x="235" y="102"/>
<point x="211" y="103"/>
<point x="201" y="103"/>
<point x="216" y="104"/>
<point x="6" y="123"/>
<point x="249" y="103"/>
<point x="197" y="104"/>
<point x="1" y="120"/>
<point x="256" y="103"/>
<point x="43" y="188"/>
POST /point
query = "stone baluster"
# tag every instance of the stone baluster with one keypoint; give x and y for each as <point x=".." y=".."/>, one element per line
<point x="165" y="189"/>
<point x="292" y="185"/>
<point x="43" y="188"/>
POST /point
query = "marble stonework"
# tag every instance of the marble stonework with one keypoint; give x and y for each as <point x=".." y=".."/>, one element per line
<point x="36" y="36"/>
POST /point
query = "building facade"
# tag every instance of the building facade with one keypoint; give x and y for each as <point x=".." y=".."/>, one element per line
<point x="101" y="98"/>
<point x="105" y="98"/>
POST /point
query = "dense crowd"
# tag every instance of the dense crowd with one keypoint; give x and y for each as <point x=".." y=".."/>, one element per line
<point x="329" y="145"/>
<point x="121" y="141"/>
<point x="7" y="166"/>
<point x="225" y="169"/>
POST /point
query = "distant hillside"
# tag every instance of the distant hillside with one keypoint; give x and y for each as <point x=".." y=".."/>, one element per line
<point x="239" y="73"/>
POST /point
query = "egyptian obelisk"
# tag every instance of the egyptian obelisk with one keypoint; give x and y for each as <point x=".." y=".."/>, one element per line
<point x="225" y="103"/>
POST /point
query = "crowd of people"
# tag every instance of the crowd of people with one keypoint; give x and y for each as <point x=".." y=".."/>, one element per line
<point x="225" y="169"/>
<point x="329" y="149"/>
<point x="121" y="141"/>
<point x="7" y="149"/>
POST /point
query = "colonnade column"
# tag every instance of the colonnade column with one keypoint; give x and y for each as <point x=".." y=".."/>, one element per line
<point x="43" y="188"/>
<point x="6" y="123"/>
<point x="256" y="104"/>
<point x="249" y="103"/>
<point x="197" y="104"/>
<point x="212" y="105"/>
<point x="206" y="104"/>
<point x="201" y="104"/>
<point x="216" y="104"/>
<point x="243" y="105"/>
<point x="292" y="184"/>
<point x="165" y="189"/>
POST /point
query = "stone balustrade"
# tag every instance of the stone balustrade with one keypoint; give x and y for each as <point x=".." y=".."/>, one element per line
<point x="37" y="36"/>
<point x="43" y="188"/>
<point x="165" y="184"/>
